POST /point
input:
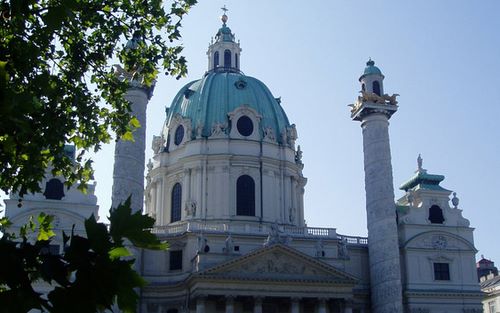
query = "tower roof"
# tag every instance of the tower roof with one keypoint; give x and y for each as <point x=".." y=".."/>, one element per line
<point x="423" y="180"/>
<point x="371" y="69"/>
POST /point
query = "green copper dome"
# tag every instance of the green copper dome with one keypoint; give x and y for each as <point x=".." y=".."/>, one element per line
<point x="371" y="69"/>
<point x="208" y="101"/>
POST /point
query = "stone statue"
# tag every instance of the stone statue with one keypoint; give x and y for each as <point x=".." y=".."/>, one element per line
<point x="319" y="248"/>
<point x="391" y="99"/>
<point x="190" y="208"/>
<point x="203" y="244"/>
<point x="291" y="133"/>
<point x="229" y="248"/>
<point x="298" y="155"/>
<point x="342" y="246"/>
<point x="157" y="144"/>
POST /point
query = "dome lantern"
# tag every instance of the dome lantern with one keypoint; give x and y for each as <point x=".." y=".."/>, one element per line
<point x="372" y="79"/>
<point x="224" y="53"/>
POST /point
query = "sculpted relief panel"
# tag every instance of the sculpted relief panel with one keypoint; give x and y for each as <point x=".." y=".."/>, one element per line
<point x="276" y="263"/>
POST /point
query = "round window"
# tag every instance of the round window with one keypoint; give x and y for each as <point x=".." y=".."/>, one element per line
<point x="179" y="135"/>
<point x="245" y="126"/>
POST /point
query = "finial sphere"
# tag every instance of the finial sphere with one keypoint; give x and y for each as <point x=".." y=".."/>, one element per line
<point x="223" y="18"/>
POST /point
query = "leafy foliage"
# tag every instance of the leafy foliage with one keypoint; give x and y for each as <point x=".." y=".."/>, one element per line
<point x="56" y="61"/>
<point x="90" y="275"/>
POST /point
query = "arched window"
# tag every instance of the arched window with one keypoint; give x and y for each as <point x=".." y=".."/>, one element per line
<point x="436" y="215"/>
<point x="376" y="87"/>
<point x="236" y="60"/>
<point x="216" y="59"/>
<point x="227" y="58"/>
<point x="245" y="196"/>
<point x="54" y="189"/>
<point x="176" y="203"/>
<point x="363" y="87"/>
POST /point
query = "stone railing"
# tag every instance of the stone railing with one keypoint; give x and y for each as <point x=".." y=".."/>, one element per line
<point x="354" y="240"/>
<point x="236" y="227"/>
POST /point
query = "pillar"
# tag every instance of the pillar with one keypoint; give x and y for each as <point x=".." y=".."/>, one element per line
<point x="295" y="305"/>
<point x="383" y="245"/>
<point x="348" y="306"/>
<point x="229" y="304"/>
<point x="322" y="305"/>
<point x="257" y="305"/>
<point x="129" y="164"/>
<point x="374" y="113"/>
<point x="200" y="304"/>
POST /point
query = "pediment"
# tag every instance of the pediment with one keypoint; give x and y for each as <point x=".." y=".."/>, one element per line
<point x="278" y="262"/>
<point x="439" y="241"/>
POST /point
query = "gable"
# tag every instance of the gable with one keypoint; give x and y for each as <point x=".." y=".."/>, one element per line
<point x="278" y="262"/>
<point x="439" y="241"/>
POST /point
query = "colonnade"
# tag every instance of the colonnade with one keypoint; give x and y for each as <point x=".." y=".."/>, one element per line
<point x="321" y="305"/>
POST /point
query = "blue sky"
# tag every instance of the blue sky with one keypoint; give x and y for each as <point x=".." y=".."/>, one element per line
<point x="442" y="57"/>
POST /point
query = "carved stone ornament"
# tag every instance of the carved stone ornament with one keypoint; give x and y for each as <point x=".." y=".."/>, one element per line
<point x="275" y="263"/>
<point x="218" y="130"/>
<point x="439" y="242"/>
<point x="269" y="134"/>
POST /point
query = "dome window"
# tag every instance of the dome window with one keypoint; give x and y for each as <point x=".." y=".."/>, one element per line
<point x="175" y="213"/>
<point x="236" y="61"/>
<point x="227" y="58"/>
<point x="245" y="196"/>
<point x="240" y="84"/>
<point x="216" y="59"/>
<point x="54" y="189"/>
<point x="179" y="135"/>
<point x="245" y="126"/>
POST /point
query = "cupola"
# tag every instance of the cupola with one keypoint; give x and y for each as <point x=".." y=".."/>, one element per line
<point x="372" y="79"/>
<point x="224" y="52"/>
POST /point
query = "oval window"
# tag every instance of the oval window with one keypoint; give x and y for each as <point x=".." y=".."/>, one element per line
<point x="179" y="135"/>
<point x="245" y="126"/>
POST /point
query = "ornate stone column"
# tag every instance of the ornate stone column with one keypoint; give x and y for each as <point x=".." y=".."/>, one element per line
<point x="295" y="305"/>
<point x="257" y="305"/>
<point x="129" y="165"/>
<point x="229" y="304"/>
<point x="383" y="247"/>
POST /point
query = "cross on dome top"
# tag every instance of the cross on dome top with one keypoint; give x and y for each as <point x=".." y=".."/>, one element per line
<point x="224" y="17"/>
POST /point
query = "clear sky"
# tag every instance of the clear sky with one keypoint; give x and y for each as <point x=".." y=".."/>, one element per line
<point x="442" y="57"/>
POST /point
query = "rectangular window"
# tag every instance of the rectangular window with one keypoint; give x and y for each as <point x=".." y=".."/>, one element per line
<point x="175" y="260"/>
<point x="441" y="271"/>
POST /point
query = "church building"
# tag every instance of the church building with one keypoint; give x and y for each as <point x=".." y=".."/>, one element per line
<point x="226" y="188"/>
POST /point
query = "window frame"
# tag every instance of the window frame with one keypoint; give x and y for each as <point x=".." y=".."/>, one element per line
<point x="175" y="260"/>
<point x="441" y="271"/>
<point x="176" y="203"/>
<point x="245" y="195"/>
